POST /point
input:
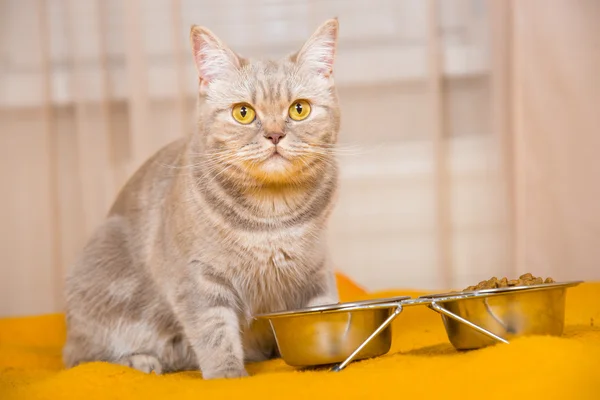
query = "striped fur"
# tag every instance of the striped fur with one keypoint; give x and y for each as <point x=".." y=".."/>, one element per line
<point x="217" y="227"/>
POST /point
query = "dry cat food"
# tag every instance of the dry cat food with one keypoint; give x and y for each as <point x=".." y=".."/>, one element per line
<point x="524" y="280"/>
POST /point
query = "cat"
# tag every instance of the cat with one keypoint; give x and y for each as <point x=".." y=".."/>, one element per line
<point x="225" y="223"/>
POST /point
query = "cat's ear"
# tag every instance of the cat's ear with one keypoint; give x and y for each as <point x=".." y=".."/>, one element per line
<point x="213" y="59"/>
<point x="318" y="53"/>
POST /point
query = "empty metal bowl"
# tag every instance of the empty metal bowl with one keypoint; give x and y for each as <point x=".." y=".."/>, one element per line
<point x="337" y="333"/>
<point x="481" y="318"/>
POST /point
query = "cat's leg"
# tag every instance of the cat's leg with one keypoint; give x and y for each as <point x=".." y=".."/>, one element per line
<point x="114" y="311"/>
<point x="259" y="342"/>
<point x="208" y="307"/>
<point x="328" y="293"/>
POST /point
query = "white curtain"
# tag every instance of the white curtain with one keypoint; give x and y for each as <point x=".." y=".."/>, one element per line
<point x="433" y="193"/>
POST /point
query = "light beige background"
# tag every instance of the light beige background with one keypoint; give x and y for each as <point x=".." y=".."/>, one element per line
<point x="472" y="127"/>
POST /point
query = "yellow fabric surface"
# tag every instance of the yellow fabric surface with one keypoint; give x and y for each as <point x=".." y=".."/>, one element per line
<point x="421" y="364"/>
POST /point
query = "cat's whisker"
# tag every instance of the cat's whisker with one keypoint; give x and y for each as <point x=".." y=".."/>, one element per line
<point x="325" y="150"/>
<point x="219" y="159"/>
<point x="221" y="156"/>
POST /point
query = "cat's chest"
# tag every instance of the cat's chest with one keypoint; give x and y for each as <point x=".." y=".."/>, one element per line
<point x="278" y="250"/>
<point x="273" y="271"/>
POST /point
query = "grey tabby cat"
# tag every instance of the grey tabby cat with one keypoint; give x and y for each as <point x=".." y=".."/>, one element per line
<point x="234" y="227"/>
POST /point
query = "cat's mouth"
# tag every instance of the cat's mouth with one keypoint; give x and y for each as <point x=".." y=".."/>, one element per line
<point x="276" y="161"/>
<point x="276" y="154"/>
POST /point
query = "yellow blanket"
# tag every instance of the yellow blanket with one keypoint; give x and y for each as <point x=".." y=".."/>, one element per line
<point x="421" y="364"/>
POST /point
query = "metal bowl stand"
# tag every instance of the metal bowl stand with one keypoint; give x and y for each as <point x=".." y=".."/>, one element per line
<point x="436" y="307"/>
<point x="433" y="304"/>
<point x="396" y="311"/>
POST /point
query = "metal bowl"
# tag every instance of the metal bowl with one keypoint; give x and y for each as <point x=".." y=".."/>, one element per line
<point x="341" y="333"/>
<point x="481" y="318"/>
<point x="337" y="333"/>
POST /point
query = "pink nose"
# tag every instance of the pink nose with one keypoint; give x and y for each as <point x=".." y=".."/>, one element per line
<point x="275" y="137"/>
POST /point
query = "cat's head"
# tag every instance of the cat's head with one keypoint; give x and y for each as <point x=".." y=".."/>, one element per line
<point x="272" y="121"/>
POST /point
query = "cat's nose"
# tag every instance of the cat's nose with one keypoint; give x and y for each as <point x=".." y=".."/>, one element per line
<point x="275" y="136"/>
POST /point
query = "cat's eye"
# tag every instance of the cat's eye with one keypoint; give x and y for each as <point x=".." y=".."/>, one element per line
<point x="243" y="113"/>
<point x="299" y="110"/>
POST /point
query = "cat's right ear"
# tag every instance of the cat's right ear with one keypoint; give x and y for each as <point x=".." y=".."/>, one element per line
<point x="213" y="59"/>
<point x="318" y="53"/>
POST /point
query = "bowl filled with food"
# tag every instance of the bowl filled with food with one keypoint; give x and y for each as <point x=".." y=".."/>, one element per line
<point x="497" y="310"/>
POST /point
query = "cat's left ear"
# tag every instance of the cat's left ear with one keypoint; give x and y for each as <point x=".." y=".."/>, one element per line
<point x="213" y="59"/>
<point x="318" y="53"/>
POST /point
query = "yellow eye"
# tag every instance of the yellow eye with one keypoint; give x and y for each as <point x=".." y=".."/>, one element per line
<point x="243" y="113"/>
<point x="299" y="110"/>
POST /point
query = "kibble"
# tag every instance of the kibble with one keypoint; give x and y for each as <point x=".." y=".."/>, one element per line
<point x="524" y="280"/>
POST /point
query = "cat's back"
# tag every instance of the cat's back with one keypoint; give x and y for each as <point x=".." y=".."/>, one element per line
<point x="148" y="185"/>
<point x="118" y="250"/>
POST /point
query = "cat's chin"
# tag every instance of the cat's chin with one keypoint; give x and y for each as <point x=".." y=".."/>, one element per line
<point x="276" y="163"/>
<point x="276" y="169"/>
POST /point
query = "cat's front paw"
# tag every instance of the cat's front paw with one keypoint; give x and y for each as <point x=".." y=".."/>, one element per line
<point x="322" y="301"/>
<point x="225" y="373"/>
<point x="142" y="362"/>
